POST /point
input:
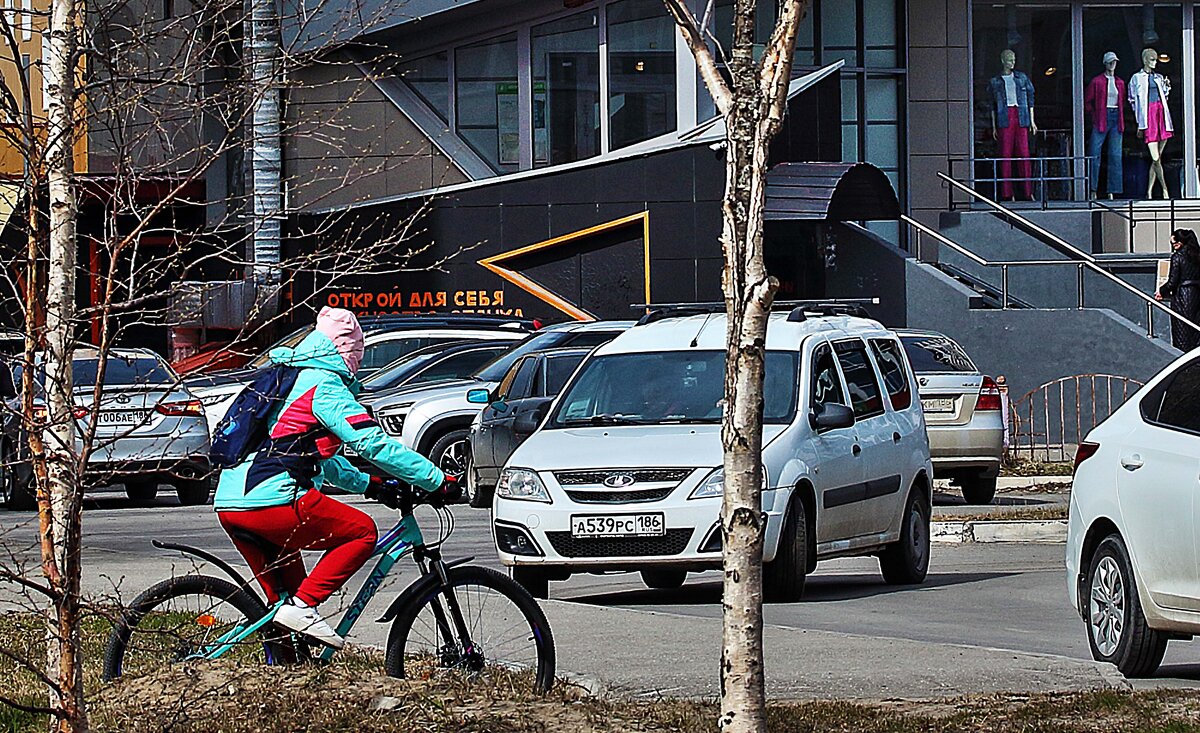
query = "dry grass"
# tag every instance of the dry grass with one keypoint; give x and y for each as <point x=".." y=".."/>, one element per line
<point x="229" y="697"/>
<point x="1036" y="468"/>
<point x="1003" y="515"/>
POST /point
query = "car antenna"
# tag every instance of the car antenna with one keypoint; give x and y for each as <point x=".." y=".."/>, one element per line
<point x="703" y="324"/>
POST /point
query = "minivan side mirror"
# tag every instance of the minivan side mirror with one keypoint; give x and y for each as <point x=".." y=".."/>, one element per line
<point x="527" y="421"/>
<point x="479" y="397"/>
<point x="831" y="416"/>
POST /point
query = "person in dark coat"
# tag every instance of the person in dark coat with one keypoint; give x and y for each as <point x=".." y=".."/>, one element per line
<point x="1183" y="288"/>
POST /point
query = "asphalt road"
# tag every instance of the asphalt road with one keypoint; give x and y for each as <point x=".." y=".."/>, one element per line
<point x="989" y="616"/>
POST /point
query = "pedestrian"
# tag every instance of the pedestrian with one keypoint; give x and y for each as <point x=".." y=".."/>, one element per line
<point x="1183" y="288"/>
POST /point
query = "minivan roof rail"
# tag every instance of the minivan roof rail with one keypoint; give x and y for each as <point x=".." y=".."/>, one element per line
<point x="800" y="309"/>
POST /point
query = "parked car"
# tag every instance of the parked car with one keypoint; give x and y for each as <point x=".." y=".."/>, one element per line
<point x="386" y="339"/>
<point x="150" y="430"/>
<point x="437" y="363"/>
<point x="625" y="473"/>
<point x="963" y="413"/>
<point x="1131" y="535"/>
<point x="435" y="420"/>
<point x="529" y="383"/>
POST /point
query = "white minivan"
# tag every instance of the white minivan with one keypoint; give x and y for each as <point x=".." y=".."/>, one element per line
<point x="624" y="471"/>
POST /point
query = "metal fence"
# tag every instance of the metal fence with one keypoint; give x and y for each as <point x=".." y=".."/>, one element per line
<point x="1048" y="423"/>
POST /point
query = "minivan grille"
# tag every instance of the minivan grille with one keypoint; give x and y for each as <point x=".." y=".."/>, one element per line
<point x="624" y="496"/>
<point x="640" y="475"/>
<point x="673" y="543"/>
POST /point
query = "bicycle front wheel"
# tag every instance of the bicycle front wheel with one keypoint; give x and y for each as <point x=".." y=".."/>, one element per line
<point x="506" y="631"/>
<point x="179" y="619"/>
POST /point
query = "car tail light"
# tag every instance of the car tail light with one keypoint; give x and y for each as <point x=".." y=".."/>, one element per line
<point x="187" y="408"/>
<point x="989" y="395"/>
<point x="1085" y="451"/>
<point x="42" y="415"/>
<point x="80" y="412"/>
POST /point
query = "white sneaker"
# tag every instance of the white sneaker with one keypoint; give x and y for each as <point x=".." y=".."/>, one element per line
<point x="306" y="621"/>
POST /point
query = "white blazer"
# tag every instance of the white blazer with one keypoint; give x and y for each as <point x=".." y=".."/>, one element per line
<point x="1139" y="97"/>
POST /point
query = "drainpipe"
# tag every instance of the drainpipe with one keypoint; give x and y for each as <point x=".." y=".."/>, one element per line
<point x="265" y="171"/>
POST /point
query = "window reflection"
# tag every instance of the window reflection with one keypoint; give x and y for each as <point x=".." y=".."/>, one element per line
<point x="641" y="69"/>
<point x="566" y="89"/>
<point x="428" y="78"/>
<point x="486" y="101"/>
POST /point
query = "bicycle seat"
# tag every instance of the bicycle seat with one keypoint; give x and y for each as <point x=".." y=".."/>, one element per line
<point x="242" y="535"/>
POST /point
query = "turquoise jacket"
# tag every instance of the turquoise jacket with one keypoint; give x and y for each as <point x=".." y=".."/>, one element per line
<point x="318" y="416"/>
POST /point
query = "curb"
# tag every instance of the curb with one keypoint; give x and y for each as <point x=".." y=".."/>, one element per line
<point x="969" y="531"/>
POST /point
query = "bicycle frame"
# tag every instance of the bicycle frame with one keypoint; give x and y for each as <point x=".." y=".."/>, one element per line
<point x="402" y="538"/>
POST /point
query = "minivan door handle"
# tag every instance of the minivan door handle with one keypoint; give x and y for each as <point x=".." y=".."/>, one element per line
<point x="1132" y="463"/>
<point x="856" y="449"/>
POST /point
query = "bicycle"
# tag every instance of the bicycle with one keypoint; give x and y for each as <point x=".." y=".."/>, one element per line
<point x="429" y="626"/>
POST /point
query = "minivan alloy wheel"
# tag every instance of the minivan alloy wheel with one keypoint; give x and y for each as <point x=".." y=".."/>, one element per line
<point x="1107" y="606"/>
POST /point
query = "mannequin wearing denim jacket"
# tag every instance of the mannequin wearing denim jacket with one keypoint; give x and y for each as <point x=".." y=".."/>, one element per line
<point x="1148" y="92"/>
<point x="1012" y="121"/>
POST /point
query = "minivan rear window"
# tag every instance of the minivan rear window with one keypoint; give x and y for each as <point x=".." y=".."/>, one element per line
<point x="935" y="353"/>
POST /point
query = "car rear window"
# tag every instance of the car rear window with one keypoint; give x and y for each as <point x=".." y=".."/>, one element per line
<point x="936" y="353"/>
<point x="122" y="371"/>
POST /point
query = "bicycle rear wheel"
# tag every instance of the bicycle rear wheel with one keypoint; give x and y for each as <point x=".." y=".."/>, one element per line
<point x="179" y="618"/>
<point x="507" y="633"/>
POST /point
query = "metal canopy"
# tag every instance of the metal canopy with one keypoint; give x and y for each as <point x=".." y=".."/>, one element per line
<point x="830" y="192"/>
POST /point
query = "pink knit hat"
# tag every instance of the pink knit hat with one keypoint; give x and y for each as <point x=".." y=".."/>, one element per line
<point x="343" y="330"/>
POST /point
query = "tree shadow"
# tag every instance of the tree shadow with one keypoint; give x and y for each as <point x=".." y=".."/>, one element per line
<point x="817" y="589"/>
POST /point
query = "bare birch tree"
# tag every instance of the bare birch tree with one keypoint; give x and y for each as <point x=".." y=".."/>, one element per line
<point x="752" y="100"/>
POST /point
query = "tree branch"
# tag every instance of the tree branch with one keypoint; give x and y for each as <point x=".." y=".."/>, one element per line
<point x="693" y="35"/>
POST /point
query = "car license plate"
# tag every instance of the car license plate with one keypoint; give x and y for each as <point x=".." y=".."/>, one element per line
<point x="938" y="404"/>
<point x="618" y="525"/>
<point x="124" y="417"/>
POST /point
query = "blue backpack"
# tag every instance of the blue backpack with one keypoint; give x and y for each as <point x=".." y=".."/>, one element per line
<point x="244" y="427"/>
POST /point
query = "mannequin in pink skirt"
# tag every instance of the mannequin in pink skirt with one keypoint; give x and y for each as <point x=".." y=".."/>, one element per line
<point x="1148" y="92"/>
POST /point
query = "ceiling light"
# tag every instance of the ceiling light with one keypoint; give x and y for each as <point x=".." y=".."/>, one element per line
<point x="1051" y="71"/>
<point x="1165" y="58"/>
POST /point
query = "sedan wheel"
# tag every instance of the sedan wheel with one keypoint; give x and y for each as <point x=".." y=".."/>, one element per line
<point x="1117" y="629"/>
<point x="1107" y="606"/>
<point x="449" y="453"/>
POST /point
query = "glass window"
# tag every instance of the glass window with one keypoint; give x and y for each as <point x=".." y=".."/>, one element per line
<point x="936" y="353"/>
<point x="558" y="370"/>
<point x="428" y="77"/>
<point x="879" y="33"/>
<point x="486" y="102"/>
<point x="1181" y="401"/>
<point x="382" y="353"/>
<point x="669" y="387"/>
<point x="895" y="376"/>
<point x="860" y="379"/>
<point x="522" y="382"/>
<point x="505" y="385"/>
<point x="457" y="366"/>
<point x="1022" y="62"/>
<point x="641" y="71"/>
<point x="826" y="384"/>
<point x="566" y="89"/>
<point x="122" y="371"/>
<point x="839" y="31"/>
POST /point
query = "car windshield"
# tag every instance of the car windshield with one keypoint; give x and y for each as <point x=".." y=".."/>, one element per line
<point x="668" y="387"/>
<point x="495" y="369"/>
<point x="290" y="340"/>
<point x="936" y="353"/>
<point x="399" y="370"/>
<point x="122" y="371"/>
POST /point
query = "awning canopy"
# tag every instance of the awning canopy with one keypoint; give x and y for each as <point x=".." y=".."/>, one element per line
<point x="830" y="192"/>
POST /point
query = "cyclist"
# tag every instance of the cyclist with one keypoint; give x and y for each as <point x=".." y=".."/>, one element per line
<point x="274" y="495"/>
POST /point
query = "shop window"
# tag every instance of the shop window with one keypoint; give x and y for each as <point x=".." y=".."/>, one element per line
<point x="486" y="100"/>
<point x="641" y="71"/>
<point x="1024" y="97"/>
<point x="879" y="34"/>
<point x="1120" y="161"/>
<point x="566" y="89"/>
<point x="839" y="31"/>
<point x="428" y="77"/>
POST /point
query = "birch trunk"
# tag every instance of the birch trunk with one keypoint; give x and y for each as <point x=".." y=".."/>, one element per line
<point x="265" y="166"/>
<point x="752" y="102"/>
<point x="63" y="491"/>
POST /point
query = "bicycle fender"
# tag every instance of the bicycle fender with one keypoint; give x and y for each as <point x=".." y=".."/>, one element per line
<point x="423" y="585"/>
<point x="211" y="558"/>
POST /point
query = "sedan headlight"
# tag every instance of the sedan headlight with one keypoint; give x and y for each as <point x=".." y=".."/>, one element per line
<point x="522" y="484"/>
<point x="714" y="484"/>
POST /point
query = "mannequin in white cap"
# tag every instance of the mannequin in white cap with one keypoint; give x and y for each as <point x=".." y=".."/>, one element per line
<point x="1104" y="101"/>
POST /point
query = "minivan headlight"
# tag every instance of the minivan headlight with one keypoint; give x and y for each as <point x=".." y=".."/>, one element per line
<point x="714" y="484"/>
<point x="522" y="484"/>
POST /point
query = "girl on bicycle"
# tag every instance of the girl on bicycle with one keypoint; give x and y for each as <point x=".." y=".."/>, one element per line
<point x="271" y="504"/>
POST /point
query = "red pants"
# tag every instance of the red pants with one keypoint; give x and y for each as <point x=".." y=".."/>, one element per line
<point x="314" y="522"/>
<point x="1014" y="143"/>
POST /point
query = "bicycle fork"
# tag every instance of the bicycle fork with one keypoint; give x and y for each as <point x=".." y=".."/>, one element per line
<point x="465" y="651"/>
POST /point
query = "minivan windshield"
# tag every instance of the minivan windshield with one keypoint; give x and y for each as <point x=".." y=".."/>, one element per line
<point x="659" y="388"/>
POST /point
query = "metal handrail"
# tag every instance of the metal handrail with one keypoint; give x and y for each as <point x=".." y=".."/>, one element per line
<point x="1071" y="250"/>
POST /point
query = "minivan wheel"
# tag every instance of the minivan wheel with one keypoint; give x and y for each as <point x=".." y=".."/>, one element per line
<point x="906" y="561"/>
<point x="663" y="578"/>
<point x="1117" y="628"/>
<point x="141" y="492"/>
<point x="193" y="492"/>
<point x="449" y="453"/>
<point x="978" y="489"/>
<point x="783" y="577"/>
<point x="534" y="580"/>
